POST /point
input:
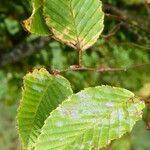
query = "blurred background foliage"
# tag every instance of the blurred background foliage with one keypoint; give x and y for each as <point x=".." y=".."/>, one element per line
<point x="125" y="42"/>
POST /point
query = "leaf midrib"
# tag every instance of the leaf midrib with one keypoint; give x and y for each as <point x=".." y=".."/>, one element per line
<point x="77" y="45"/>
<point x="31" y="128"/>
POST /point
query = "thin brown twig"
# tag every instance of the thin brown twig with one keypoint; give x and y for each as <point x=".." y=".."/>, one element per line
<point x="121" y="15"/>
<point x="113" y="31"/>
<point x="100" y="70"/>
<point x="146" y="101"/>
<point x="116" y="17"/>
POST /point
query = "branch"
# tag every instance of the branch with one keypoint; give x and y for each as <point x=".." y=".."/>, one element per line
<point x="24" y="50"/>
<point x="100" y="70"/>
<point x="113" y="31"/>
<point x="128" y="17"/>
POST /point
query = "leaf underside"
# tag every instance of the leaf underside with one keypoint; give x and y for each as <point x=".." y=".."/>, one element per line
<point x="78" y="23"/>
<point x="90" y="119"/>
<point x="42" y="93"/>
<point x="36" y="23"/>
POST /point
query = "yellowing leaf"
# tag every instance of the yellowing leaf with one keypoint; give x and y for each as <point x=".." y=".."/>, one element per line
<point x="78" y="23"/>
<point x="36" y="23"/>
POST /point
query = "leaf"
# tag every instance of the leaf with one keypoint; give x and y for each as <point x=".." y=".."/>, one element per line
<point x="36" y="24"/>
<point x="42" y="93"/>
<point x="78" y="23"/>
<point x="12" y="26"/>
<point x="90" y="119"/>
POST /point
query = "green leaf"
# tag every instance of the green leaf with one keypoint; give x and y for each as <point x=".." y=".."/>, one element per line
<point x="78" y="23"/>
<point x="42" y="93"/>
<point x="36" y="23"/>
<point x="90" y="119"/>
<point x="12" y="26"/>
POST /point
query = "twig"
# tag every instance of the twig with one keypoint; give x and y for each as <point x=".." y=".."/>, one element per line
<point x="116" y="17"/>
<point x="146" y="101"/>
<point x="100" y="70"/>
<point x="113" y="31"/>
<point x="127" y="17"/>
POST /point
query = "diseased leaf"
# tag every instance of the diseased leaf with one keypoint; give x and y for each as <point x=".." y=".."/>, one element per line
<point x="36" y="23"/>
<point x="78" y="23"/>
<point x="42" y="93"/>
<point x="90" y="119"/>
